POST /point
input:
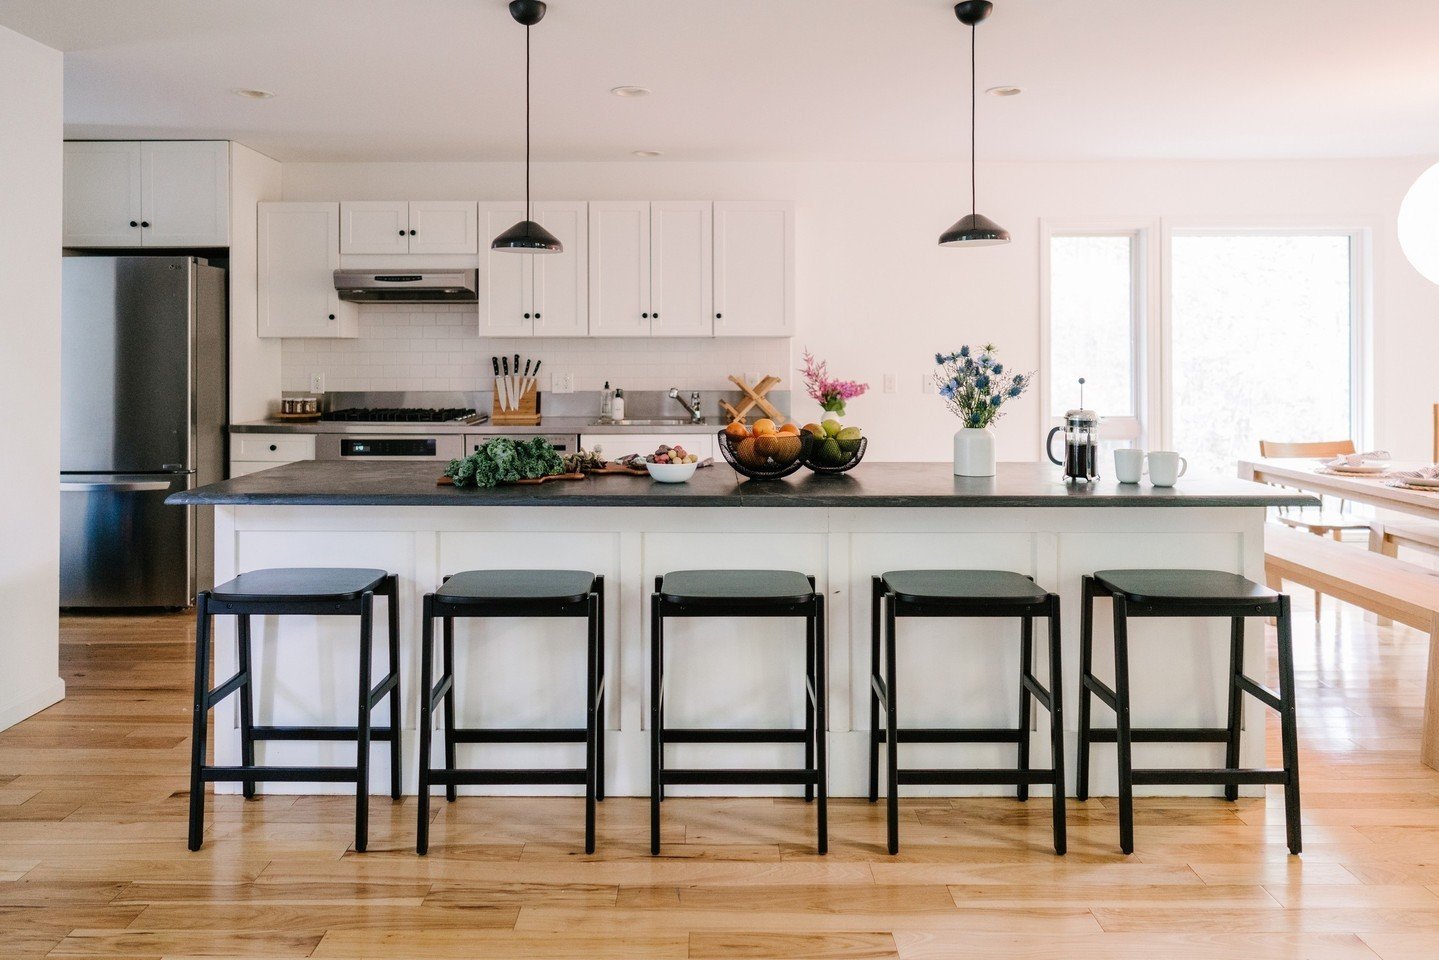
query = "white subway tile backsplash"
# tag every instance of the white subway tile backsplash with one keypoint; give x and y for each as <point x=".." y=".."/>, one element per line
<point x="438" y="347"/>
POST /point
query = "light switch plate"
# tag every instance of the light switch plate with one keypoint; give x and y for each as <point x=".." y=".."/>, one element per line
<point x="891" y="383"/>
<point x="317" y="383"/>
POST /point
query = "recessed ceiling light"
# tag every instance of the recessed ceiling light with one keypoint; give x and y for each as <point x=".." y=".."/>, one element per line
<point x="1004" y="91"/>
<point x="254" y="94"/>
<point x="646" y="153"/>
<point x="630" y="91"/>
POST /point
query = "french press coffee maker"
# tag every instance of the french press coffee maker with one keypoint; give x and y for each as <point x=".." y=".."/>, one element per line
<point x="1081" y="443"/>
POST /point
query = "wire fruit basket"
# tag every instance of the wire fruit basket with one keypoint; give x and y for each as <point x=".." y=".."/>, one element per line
<point x="766" y="457"/>
<point x="845" y="456"/>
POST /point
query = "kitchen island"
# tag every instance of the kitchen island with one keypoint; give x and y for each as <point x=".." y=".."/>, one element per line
<point x="739" y="673"/>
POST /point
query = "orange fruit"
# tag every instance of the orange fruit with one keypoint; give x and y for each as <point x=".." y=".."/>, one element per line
<point x="764" y="426"/>
<point x="766" y="444"/>
<point x="744" y="451"/>
<point x="787" y="448"/>
<point x="789" y="429"/>
<point x="736" y="430"/>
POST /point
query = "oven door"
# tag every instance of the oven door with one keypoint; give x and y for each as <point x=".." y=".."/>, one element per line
<point x="352" y="446"/>
<point x="564" y="443"/>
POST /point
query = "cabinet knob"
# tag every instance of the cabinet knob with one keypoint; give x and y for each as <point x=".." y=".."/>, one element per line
<point x="144" y="223"/>
<point x="719" y="316"/>
<point x="134" y="223"/>
<point x="412" y="233"/>
<point x="655" y="316"/>
<point x="402" y="233"/>
<point x="527" y="316"/>
<point x="537" y="316"/>
<point x="644" y="316"/>
<point x="273" y="448"/>
<point x="332" y="316"/>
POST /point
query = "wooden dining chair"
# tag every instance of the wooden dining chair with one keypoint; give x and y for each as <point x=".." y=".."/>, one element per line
<point x="1323" y="522"/>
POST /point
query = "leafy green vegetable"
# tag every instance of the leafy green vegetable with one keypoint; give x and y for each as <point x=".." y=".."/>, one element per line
<point x="503" y="460"/>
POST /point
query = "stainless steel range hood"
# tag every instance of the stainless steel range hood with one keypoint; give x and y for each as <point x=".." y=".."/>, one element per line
<point x="408" y="286"/>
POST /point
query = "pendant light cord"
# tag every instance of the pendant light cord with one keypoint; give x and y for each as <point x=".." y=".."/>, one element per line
<point x="973" y="203"/>
<point x="528" y="215"/>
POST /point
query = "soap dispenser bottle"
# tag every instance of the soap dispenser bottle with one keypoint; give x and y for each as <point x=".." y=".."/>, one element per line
<point x="607" y="403"/>
<point x="617" y="406"/>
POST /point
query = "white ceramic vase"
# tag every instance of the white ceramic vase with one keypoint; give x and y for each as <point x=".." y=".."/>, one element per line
<point x="830" y="415"/>
<point x="974" y="452"/>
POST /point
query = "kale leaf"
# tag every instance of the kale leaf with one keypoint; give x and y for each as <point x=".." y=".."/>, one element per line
<point x="503" y="460"/>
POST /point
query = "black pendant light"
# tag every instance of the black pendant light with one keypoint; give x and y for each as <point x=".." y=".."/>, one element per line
<point x="527" y="236"/>
<point x="974" y="229"/>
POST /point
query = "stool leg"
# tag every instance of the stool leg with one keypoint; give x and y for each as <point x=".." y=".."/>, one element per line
<point x="876" y="599"/>
<point x="1056" y="723"/>
<point x="604" y="697"/>
<point x="1122" y="736"/>
<point x="1289" y="728"/>
<point x="656" y="731"/>
<point x="1026" y="667"/>
<point x="198" y="725"/>
<point x="592" y="732"/>
<point x="1236" y="702"/>
<point x="427" y="721"/>
<point x="452" y="792"/>
<point x="809" y="711"/>
<point x="362" y="732"/>
<point x="891" y="727"/>
<point x="247" y="701"/>
<point x="397" y="764"/>
<point x="821" y="734"/>
<point x="1086" y="668"/>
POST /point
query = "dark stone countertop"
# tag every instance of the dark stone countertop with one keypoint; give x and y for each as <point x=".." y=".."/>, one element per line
<point x="411" y="483"/>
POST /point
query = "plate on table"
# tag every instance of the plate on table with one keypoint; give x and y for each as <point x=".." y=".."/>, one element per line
<point x="1361" y="469"/>
<point x="1422" y="483"/>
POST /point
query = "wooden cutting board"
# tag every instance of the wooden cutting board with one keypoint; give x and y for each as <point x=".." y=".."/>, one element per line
<point x="447" y="482"/>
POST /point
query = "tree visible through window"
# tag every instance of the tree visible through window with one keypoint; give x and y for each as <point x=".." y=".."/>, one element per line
<point x="1261" y="343"/>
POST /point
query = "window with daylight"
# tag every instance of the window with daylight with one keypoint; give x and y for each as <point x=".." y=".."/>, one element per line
<point x="1094" y="326"/>
<point x="1263" y="342"/>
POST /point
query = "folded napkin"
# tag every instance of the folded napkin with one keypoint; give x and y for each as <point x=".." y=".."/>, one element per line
<point x="1401" y="478"/>
<point x="1356" y="459"/>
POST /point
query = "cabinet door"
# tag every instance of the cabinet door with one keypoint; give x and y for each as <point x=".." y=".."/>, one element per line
<point x="754" y="269"/>
<point x="620" y="269"/>
<point x="102" y="194"/>
<point x="443" y="226"/>
<point x="506" y="279"/>
<point x="561" y="292"/>
<point x="299" y="250"/>
<point x="185" y="193"/>
<point x="375" y="226"/>
<point x="681" y="269"/>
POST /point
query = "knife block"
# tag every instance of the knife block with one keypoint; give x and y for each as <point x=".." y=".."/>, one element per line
<point x="525" y="414"/>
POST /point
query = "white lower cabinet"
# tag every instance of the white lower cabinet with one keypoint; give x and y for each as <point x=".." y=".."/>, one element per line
<point x="299" y="252"/>
<point x="253" y="452"/>
<point x="616" y="445"/>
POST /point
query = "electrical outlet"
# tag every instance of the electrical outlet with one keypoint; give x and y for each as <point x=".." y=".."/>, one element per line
<point x="317" y="383"/>
<point x="562" y="383"/>
<point x="891" y="383"/>
<point x="926" y="383"/>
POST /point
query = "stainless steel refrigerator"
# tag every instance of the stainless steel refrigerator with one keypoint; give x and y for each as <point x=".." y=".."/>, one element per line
<point x="143" y="411"/>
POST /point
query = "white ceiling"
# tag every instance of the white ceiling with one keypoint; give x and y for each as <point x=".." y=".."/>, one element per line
<point x="754" y="79"/>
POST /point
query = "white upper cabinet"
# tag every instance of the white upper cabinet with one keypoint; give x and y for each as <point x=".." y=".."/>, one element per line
<point x="753" y="269"/>
<point x="620" y="269"/>
<point x="506" y="279"/>
<point x="185" y="193"/>
<point x="375" y="226"/>
<point x="102" y="194"/>
<point x="559" y="284"/>
<point x="299" y="251"/>
<point x="165" y="193"/>
<point x="408" y="226"/>
<point x="681" y="269"/>
<point x="443" y="226"/>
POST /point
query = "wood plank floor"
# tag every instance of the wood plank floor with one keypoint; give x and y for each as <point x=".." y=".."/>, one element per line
<point x="93" y="860"/>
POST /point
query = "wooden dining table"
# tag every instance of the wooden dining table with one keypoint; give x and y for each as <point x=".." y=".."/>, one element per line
<point x="1304" y="474"/>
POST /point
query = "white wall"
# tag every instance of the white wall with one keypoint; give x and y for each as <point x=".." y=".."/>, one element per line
<point x="30" y="137"/>
<point x="254" y="360"/>
<point x="875" y="294"/>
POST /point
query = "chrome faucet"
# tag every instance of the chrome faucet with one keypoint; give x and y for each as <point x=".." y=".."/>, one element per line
<point x="692" y="408"/>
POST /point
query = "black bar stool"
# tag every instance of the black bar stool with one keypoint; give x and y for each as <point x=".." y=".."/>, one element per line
<point x="1187" y="593"/>
<point x="309" y="591"/>
<point x="741" y="593"/>
<point x="964" y="593"/>
<point x="512" y="593"/>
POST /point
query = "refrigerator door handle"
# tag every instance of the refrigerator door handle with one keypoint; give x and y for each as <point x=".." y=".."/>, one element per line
<point x="115" y="486"/>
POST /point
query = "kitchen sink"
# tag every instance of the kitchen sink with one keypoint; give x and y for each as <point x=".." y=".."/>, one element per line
<point x="656" y="422"/>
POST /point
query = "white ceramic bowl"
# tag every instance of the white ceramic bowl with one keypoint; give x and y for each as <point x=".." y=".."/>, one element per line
<point x="672" y="472"/>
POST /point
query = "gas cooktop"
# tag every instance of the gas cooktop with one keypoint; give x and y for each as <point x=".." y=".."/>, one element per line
<point x="404" y="415"/>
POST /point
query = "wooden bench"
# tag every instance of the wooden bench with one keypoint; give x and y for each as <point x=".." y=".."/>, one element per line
<point x="1387" y="586"/>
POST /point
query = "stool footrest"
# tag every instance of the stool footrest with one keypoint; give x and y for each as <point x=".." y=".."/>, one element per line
<point x="461" y="778"/>
<point x="1263" y="694"/>
<point x="953" y="735"/>
<point x="520" y="735"/>
<point x="279" y="774"/>
<point x="1180" y="776"/>
<point x="319" y="733"/>
<point x="975" y="777"/>
<point x="1162" y="735"/>
<point x="734" y="735"/>
<point x="682" y="776"/>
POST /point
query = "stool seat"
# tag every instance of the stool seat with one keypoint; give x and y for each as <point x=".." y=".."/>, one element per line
<point x="570" y="586"/>
<point x="1189" y="586"/>
<point x="971" y="586"/>
<point x="777" y="586"/>
<point x="301" y="583"/>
